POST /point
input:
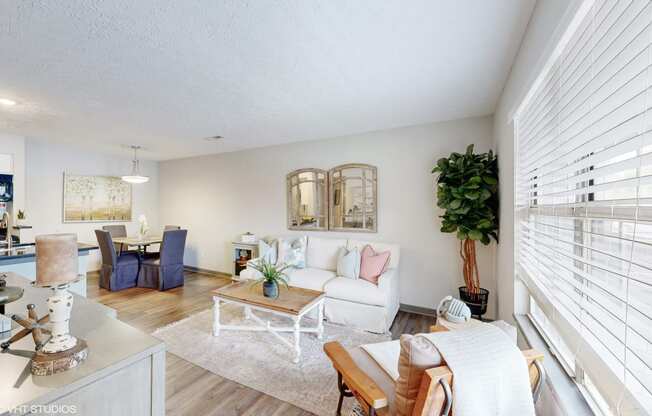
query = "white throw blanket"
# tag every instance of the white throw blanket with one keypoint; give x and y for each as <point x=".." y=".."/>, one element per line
<point x="490" y="374"/>
<point x="386" y="355"/>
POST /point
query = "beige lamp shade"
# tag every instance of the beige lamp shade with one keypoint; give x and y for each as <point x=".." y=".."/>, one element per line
<point x="56" y="259"/>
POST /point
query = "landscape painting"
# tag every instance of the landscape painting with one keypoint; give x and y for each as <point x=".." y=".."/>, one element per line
<point x="89" y="198"/>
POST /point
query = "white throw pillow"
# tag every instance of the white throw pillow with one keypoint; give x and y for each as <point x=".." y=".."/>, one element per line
<point x="292" y="251"/>
<point x="268" y="251"/>
<point x="348" y="263"/>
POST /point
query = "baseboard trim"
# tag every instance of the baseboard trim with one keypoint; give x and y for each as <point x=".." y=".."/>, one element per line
<point x="419" y="310"/>
<point x="206" y="271"/>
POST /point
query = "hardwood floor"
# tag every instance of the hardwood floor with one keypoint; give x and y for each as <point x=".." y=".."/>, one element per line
<point x="191" y="390"/>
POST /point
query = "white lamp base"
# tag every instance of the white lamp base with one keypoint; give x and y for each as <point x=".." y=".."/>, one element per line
<point x="60" y="307"/>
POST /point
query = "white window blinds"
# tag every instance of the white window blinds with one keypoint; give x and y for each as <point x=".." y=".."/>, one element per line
<point x="584" y="199"/>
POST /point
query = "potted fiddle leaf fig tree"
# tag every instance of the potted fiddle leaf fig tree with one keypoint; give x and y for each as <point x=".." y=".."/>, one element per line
<point x="467" y="190"/>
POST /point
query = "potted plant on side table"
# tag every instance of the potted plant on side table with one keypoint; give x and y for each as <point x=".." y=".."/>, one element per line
<point x="467" y="190"/>
<point x="272" y="276"/>
<point x="21" y="218"/>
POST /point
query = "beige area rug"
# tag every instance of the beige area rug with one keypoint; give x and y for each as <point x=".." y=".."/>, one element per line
<point x="260" y="361"/>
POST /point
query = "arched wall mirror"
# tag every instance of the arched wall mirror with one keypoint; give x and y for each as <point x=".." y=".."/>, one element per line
<point x="307" y="199"/>
<point x="353" y="198"/>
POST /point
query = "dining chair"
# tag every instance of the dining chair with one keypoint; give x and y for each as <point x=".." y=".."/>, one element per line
<point x="156" y="249"/>
<point x="166" y="271"/>
<point x="116" y="231"/>
<point x="118" y="271"/>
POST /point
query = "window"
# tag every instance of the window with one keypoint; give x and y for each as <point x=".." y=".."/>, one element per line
<point x="583" y="218"/>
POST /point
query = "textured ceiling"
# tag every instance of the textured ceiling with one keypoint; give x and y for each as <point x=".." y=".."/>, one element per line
<point x="166" y="74"/>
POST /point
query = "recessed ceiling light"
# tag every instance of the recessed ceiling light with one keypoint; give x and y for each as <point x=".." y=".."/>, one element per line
<point x="7" y="102"/>
<point x="213" y="138"/>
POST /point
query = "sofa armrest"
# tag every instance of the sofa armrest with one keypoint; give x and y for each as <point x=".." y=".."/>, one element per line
<point x="249" y="273"/>
<point x="254" y="260"/>
<point x="387" y="282"/>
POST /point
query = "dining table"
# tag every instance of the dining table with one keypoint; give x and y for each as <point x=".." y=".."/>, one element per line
<point x="140" y="242"/>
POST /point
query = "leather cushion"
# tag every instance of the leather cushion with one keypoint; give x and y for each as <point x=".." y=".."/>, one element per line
<point x="417" y="355"/>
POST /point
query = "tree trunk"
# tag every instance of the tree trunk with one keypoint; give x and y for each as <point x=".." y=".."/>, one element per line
<point x="470" y="265"/>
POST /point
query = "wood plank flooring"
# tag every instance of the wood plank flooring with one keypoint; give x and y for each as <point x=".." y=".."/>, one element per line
<point x="191" y="390"/>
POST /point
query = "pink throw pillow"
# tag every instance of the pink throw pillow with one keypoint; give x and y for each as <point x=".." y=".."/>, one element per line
<point x="373" y="264"/>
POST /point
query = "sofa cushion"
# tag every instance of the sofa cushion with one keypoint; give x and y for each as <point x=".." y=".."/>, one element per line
<point x="373" y="264"/>
<point x="417" y="355"/>
<point x="394" y="249"/>
<point x="348" y="263"/>
<point x="310" y="278"/>
<point x="267" y="250"/>
<point x="292" y="251"/>
<point x="355" y="290"/>
<point x="322" y="252"/>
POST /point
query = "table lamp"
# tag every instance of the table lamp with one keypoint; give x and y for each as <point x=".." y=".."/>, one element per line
<point x="56" y="269"/>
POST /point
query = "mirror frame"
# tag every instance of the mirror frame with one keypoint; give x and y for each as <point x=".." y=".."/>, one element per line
<point x="323" y="205"/>
<point x="331" y="198"/>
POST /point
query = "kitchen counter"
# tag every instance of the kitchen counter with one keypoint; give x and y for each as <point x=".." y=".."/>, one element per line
<point x="124" y="373"/>
<point x="22" y="251"/>
<point x="21" y="259"/>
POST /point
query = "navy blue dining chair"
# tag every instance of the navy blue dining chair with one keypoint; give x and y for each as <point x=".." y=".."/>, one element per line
<point x="166" y="271"/>
<point x="118" y="271"/>
<point x="116" y="231"/>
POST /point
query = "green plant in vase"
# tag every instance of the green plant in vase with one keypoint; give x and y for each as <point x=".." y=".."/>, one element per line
<point x="21" y="217"/>
<point x="467" y="190"/>
<point x="272" y="276"/>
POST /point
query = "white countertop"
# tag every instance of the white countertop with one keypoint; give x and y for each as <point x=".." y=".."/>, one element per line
<point x="112" y="345"/>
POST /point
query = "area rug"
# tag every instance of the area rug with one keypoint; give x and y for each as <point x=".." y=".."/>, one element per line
<point x="260" y="361"/>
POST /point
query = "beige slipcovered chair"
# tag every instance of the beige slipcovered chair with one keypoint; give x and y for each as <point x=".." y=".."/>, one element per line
<point x="359" y="376"/>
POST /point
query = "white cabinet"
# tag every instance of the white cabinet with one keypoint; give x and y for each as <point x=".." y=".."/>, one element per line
<point x="6" y="164"/>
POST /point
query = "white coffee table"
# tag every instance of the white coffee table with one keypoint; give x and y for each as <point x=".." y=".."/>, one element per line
<point x="293" y="303"/>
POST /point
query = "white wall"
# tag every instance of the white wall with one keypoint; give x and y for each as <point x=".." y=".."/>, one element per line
<point x="220" y="196"/>
<point x="15" y="146"/>
<point x="547" y="23"/>
<point x="45" y="165"/>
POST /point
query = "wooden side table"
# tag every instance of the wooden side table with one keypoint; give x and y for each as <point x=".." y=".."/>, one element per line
<point x="446" y="325"/>
<point x="451" y="326"/>
<point x="242" y="253"/>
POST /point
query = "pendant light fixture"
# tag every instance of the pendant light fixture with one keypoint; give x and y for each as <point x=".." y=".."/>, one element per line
<point x="135" y="176"/>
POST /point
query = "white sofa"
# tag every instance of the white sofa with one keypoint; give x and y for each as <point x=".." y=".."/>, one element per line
<point x="355" y="303"/>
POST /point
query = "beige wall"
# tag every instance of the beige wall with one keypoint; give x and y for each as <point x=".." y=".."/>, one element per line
<point x="45" y="165"/>
<point x="547" y="23"/>
<point x="220" y="196"/>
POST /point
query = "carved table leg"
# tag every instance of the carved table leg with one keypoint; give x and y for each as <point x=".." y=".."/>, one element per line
<point x="297" y="335"/>
<point x="216" y="316"/>
<point x="320" y="322"/>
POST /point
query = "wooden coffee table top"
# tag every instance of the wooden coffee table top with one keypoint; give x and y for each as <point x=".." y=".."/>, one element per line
<point x="292" y="301"/>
